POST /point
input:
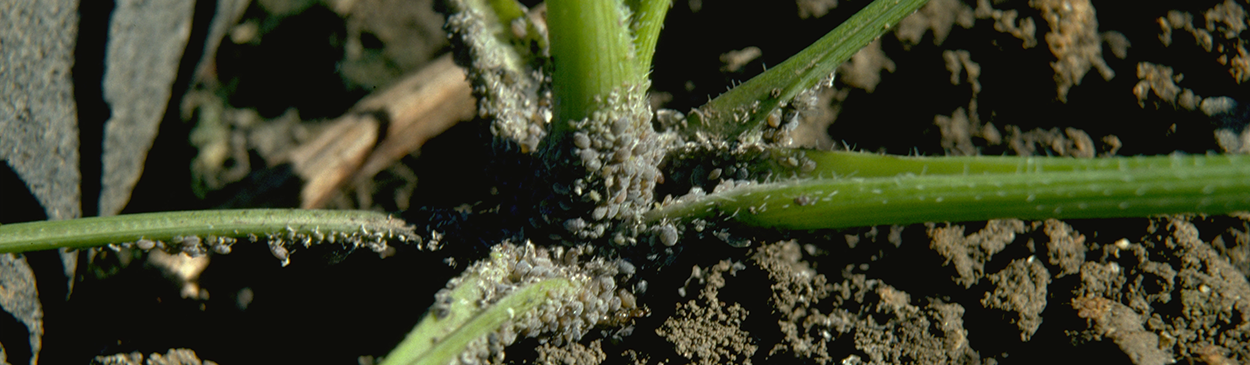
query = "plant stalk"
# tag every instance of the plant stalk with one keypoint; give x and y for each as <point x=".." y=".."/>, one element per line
<point x="1096" y="188"/>
<point x="165" y="226"/>
<point x="593" y="53"/>
<point x="745" y="107"/>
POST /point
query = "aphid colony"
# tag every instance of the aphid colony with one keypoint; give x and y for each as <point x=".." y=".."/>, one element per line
<point x="593" y="297"/>
<point x="280" y="244"/>
<point x="619" y="152"/>
<point x="506" y="87"/>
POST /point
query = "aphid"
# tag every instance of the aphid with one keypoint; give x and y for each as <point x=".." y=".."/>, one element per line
<point x="519" y="28"/>
<point x="668" y="235"/>
<point x="581" y="140"/>
<point x="622" y="317"/>
<point x="774" y="119"/>
<point x="625" y="267"/>
<point x="809" y="165"/>
<point x="802" y="200"/>
<point x="714" y="174"/>
<point x="145" y="244"/>
<point x="280" y="253"/>
<point x="575" y="224"/>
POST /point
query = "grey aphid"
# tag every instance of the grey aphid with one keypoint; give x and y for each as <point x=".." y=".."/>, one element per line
<point x="581" y="140"/>
<point x="808" y="165"/>
<point x="668" y="235"/>
<point x="145" y="244"/>
<point x="626" y="267"/>
<point x="279" y="252"/>
<point x="575" y="225"/>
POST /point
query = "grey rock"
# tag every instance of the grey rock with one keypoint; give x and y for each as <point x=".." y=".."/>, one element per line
<point x="19" y="298"/>
<point x="37" y="110"/>
<point x="146" y="42"/>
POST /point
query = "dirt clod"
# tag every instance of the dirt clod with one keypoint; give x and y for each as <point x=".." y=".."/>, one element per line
<point x="1021" y="289"/>
<point x="708" y="331"/>
<point x="969" y="253"/>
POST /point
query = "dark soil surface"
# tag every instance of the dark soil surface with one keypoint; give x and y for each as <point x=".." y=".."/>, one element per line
<point x="1040" y="77"/>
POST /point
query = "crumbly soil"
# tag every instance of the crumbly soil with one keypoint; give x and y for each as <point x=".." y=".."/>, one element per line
<point x="1041" y="77"/>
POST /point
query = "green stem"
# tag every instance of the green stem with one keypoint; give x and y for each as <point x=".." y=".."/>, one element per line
<point x="165" y="226"/>
<point x="647" y="21"/>
<point x="1103" y="188"/>
<point x="861" y="164"/>
<point x="593" y="54"/>
<point x="745" y="107"/>
<point x="438" y="340"/>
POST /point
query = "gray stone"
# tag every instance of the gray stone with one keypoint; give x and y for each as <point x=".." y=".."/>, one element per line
<point x="37" y="110"/>
<point x="146" y="42"/>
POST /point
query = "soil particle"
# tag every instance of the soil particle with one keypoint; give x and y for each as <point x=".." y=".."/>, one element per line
<point x="1160" y="81"/>
<point x="864" y="68"/>
<point x="1220" y="34"/>
<point x="1130" y="299"/>
<point x="892" y="330"/>
<point x="934" y="335"/>
<point x="1069" y="142"/>
<point x="970" y="253"/>
<point x="1236" y="247"/>
<point x="1074" y="40"/>
<point x="938" y="16"/>
<point x="1021" y="289"/>
<point x="1066" y="248"/>
<point x="815" y="8"/>
<point x="708" y="331"/>
<point x="1124" y="326"/>
<point x="572" y="354"/>
<point x="797" y="287"/>
<point x="1005" y="22"/>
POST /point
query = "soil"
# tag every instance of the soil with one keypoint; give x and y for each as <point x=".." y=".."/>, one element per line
<point x="1041" y="77"/>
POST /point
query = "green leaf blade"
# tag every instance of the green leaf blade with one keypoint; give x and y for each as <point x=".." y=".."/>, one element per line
<point x="745" y="107"/>
<point x="1123" y="187"/>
